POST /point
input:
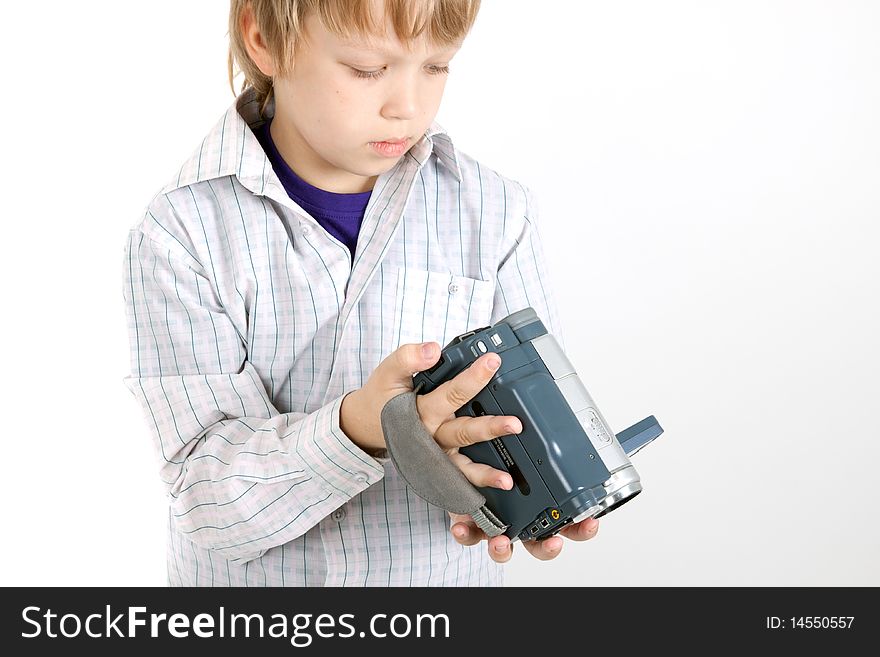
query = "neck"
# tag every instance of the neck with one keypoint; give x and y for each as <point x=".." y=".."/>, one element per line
<point x="310" y="167"/>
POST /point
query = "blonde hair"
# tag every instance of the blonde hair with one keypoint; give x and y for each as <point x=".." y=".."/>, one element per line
<point x="281" y="22"/>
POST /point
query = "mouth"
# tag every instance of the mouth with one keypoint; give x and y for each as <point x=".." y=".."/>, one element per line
<point x="391" y="147"/>
<point x="393" y="142"/>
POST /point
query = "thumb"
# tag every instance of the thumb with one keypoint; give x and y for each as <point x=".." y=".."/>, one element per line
<point x="414" y="357"/>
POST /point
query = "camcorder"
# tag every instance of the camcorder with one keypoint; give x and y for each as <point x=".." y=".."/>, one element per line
<point x="566" y="463"/>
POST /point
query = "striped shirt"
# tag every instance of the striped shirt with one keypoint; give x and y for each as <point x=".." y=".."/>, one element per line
<point x="248" y="324"/>
<point x="340" y="214"/>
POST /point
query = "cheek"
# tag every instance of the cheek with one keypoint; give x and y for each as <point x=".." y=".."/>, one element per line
<point x="436" y="92"/>
<point x="343" y="99"/>
<point x="328" y="109"/>
<point x="327" y="92"/>
<point x="350" y="98"/>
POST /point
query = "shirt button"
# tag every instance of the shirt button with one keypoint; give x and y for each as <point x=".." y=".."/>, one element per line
<point x="453" y="288"/>
<point x="305" y="228"/>
<point x="360" y="477"/>
<point x="339" y="515"/>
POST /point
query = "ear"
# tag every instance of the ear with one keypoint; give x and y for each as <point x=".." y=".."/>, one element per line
<point x="254" y="42"/>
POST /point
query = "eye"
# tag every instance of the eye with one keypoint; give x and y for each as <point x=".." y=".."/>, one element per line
<point x="372" y="75"/>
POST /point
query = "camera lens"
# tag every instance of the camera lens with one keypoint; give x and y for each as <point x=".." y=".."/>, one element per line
<point x="616" y="504"/>
<point x="619" y="490"/>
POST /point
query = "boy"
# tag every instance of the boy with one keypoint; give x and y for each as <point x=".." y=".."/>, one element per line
<point x="279" y="290"/>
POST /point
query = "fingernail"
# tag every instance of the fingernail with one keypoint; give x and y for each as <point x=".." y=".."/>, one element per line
<point x="427" y="349"/>
<point x="501" y="549"/>
<point x="493" y="363"/>
<point x="502" y="484"/>
<point x="459" y="532"/>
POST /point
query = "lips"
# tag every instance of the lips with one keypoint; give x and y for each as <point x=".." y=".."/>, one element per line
<point x="390" y="147"/>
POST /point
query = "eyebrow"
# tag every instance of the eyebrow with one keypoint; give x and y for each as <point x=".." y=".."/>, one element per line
<point x="361" y="45"/>
<point x="364" y="46"/>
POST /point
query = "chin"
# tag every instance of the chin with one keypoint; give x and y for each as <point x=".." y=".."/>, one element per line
<point x="379" y="168"/>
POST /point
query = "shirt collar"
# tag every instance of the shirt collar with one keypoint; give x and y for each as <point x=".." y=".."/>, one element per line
<point x="231" y="148"/>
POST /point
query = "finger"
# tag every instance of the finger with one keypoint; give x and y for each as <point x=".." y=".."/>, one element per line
<point x="500" y="549"/>
<point x="544" y="550"/>
<point x="464" y="529"/>
<point x="467" y="430"/>
<point x="467" y="533"/>
<point x="398" y="368"/>
<point x="480" y="474"/>
<point x="582" y="531"/>
<point x="455" y="393"/>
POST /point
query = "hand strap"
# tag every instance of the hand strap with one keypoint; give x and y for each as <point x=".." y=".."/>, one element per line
<point x="427" y="469"/>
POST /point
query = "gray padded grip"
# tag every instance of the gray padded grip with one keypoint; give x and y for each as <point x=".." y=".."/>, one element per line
<point x="427" y="469"/>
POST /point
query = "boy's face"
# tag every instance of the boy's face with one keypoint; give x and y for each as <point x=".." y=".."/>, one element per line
<point x="329" y="116"/>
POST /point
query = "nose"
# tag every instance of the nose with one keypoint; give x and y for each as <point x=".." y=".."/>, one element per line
<point x="402" y="100"/>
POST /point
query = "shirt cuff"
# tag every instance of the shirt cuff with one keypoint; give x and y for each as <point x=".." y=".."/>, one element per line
<point x="344" y="468"/>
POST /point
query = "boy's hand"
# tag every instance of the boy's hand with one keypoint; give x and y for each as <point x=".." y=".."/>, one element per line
<point x="360" y="420"/>
<point x="466" y="532"/>
<point x="360" y="413"/>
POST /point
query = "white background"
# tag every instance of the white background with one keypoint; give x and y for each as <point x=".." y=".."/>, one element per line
<point x="707" y="174"/>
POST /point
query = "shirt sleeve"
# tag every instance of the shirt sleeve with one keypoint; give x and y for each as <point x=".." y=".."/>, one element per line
<point x="241" y="477"/>
<point x="523" y="276"/>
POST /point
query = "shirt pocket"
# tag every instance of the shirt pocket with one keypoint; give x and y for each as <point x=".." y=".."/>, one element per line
<point x="438" y="306"/>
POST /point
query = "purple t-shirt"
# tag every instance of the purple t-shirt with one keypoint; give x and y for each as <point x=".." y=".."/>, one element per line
<point x="340" y="214"/>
